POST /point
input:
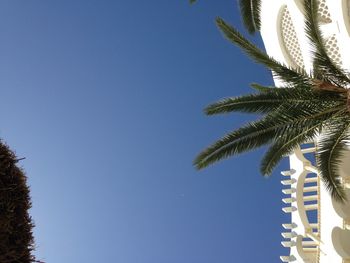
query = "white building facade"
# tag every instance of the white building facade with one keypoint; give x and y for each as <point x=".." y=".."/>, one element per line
<point x="319" y="230"/>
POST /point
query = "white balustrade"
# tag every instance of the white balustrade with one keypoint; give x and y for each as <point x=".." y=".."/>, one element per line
<point x="310" y="198"/>
<point x="289" y="191"/>
<point x="310" y="189"/>
<point x="311" y="207"/>
<point x="310" y="249"/>
<point x="289" y="234"/>
<point x="289" y="209"/>
<point x="311" y="179"/>
<point x="308" y="150"/>
<point x="288" y="200"/>
<point x="288" y="172"/>
<point x="288" y="243"/>
<point x="289" y="226"/>
<point x="314" y="225"/>
<point x="288" y="182"/>
<point x="287" y="258"/>
<point x="309" y="243"/>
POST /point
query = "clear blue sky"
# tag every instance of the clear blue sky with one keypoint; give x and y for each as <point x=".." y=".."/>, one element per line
<point x="104" y="98"/>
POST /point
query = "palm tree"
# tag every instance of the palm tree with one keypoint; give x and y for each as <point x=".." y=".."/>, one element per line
<point x="16" y="238"/>
<point x="309" y="107"/>
<point x="250" y="11"/>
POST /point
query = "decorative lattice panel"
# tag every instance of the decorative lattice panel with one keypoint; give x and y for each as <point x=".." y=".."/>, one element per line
<point x="332" y="48"/>
<point x="290" y="39"/>
<point x="323" y="11"/>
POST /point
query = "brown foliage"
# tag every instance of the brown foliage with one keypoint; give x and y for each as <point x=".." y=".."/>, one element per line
<point x="16" y="238"/>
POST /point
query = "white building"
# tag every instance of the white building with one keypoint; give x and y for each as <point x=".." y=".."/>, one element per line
<point x="319" y="230"/>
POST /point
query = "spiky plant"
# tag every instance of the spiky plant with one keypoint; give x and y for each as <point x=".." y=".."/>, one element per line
<point x="16" y="239"/>
<point x="309" y="106"/>
<point x="250" y="11"/>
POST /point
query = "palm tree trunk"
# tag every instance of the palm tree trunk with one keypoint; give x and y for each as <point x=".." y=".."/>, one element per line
<point x="326" y="86"/>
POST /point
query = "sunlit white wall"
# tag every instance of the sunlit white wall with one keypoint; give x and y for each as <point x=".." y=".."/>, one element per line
<point x="327" y="239"/>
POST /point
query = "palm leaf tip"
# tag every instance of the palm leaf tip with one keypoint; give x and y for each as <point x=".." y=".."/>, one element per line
<point x="307" y="129"/>
<point x="250" y="11"/>
<point x="198" y="164"/>
<point x="279" y="70"/>
<point x="201" y="161"/>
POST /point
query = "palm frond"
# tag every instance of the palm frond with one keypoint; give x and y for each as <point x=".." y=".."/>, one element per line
<point x="286" y="144"/>
<point x="297" y="77"/>
<point x="310" y="105"/>
<point x="280" y="122"/>
<point x="247" y="138"/>
<point x="292" y="138"/>
<point x="322" y="62"/>
<point x="330" y="148"/>
<point x="250" y="12"/>
<point x="272" y="98"/>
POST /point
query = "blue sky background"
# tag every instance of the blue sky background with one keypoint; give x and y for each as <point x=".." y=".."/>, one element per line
<point x="104" y="99"/>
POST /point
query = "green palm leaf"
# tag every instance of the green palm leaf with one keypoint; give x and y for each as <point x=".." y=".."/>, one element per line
<point x="250" y="11"/>
<point x="322" y="62"/>
<point x="270" y="99"/>
<point x="331" y="147"/>
<point x="280" y="70"/>
<point x="308" y="106"/>
<point x="287" y="143"/>
<point x="261" y="132"/>
<point x="292" y="138"/>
